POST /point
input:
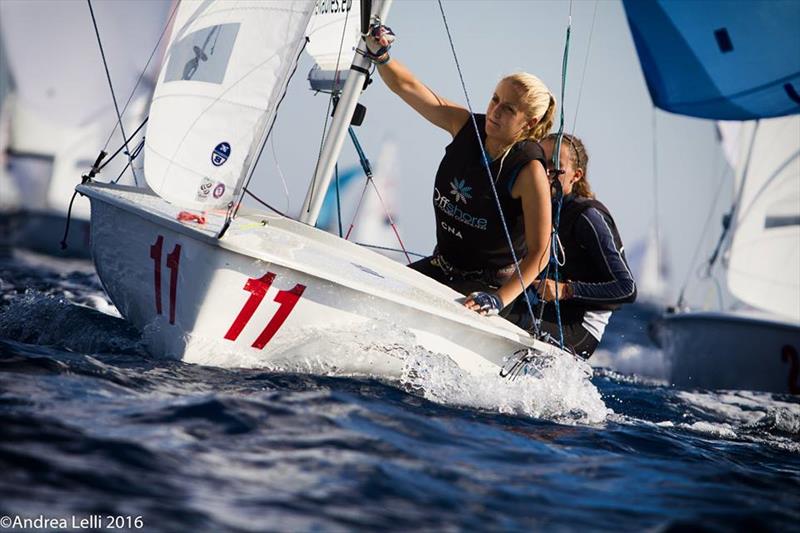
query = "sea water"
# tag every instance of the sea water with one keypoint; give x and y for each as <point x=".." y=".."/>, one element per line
<point x="96" y="430"/>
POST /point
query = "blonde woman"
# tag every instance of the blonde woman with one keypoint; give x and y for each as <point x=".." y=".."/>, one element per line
<point x="472" y="254"/>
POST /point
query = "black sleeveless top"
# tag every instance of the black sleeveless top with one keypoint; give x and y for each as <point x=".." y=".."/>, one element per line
<point x="469" y="232"/>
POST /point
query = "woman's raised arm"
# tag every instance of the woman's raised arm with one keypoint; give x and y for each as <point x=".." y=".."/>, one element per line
<point x="441" y="112"/>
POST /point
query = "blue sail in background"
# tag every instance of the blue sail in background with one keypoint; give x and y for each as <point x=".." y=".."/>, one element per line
<point x="722" y="60"/>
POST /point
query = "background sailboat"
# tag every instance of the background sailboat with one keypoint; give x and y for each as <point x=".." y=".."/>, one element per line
<point x="58" y="113"/>
<point x="733" y="65"/>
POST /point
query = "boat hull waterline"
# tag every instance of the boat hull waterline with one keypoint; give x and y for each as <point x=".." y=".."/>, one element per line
<point x="258" y="296"/>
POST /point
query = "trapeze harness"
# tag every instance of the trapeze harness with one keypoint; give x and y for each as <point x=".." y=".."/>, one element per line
<point x="596" y="268"/>
<point x="472" y="251"/>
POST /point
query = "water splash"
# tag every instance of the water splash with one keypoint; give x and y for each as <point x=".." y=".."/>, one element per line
<point x="560" y="392"/>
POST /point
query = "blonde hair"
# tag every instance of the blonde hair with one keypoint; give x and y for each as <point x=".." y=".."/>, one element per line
<point x="538" y="102"/>
<point x="580" y="160"/>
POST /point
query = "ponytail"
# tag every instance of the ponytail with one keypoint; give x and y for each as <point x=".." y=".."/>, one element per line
<point x="546" y="122"/>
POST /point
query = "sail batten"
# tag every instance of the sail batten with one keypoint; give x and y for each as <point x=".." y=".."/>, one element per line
<point x="226" y="69"/>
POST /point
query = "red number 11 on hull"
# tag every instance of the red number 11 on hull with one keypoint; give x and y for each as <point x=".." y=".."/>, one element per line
<point x="258" y="289"/>
<point x="173" y="262"/>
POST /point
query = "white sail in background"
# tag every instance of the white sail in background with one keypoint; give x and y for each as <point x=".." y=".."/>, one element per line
<point x="373" y="225"/>
<point x="764" y="258"/>
<point x="226" y="69"/>
<point x="650" y="268"/>
<point x="335" y="27"/>
<point x="62" y="112"/>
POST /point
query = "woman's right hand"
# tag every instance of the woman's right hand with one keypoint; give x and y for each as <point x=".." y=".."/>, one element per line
<point x="379" y="40"/>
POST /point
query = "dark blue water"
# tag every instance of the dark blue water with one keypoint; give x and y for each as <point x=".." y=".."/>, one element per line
<point x="91" y="424"/>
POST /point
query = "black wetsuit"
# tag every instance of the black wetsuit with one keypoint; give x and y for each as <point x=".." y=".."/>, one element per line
<point x="472" y="251"/>
<point x="598" y="273"/>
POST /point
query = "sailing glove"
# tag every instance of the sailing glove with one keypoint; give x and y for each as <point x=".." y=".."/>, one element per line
<point x="375" y="50"/>
<point x="488" y="302"/>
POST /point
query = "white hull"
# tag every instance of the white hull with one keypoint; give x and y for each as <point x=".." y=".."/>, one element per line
<point x="270" y="287"/>
<point x="731" y="351"/>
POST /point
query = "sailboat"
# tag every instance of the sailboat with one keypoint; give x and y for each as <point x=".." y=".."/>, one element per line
<point x="737" y="62"/>
<point x="203" y="277"/>
<point x="58" y="114"/>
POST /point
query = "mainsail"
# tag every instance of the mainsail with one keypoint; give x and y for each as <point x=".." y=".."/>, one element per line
<point x="764" y="257"/>
<point x="226" y="69"/>
<point x="719" y="59"/>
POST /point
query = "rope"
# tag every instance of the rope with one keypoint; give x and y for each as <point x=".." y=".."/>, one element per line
<point x="488" y="169"/>
<point x="262" y="202"/>
<point x="554" y="240"/>
<point x="144" y="70"/>
<point x="389" y="249"/>
<point x="124" y="144"/>
<point x="338" y="198"/>
<point x="111" y="86"/>
<point x="368" y="171"/>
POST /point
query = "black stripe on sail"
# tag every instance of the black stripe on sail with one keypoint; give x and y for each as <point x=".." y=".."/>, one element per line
<point x="780" y="221"/>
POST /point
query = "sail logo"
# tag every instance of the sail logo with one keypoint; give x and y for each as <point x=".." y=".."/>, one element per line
<point x="460" y="190"/>
<point x="204" y="189"/>
<point x="220" y="154"/>
<point x="219" y="190"/>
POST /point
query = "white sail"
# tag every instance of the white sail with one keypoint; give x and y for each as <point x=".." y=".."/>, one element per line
<point x="62" y="111"/>
<point x="764" y="258"/>
<point x="226" y="69"/>
<point x="333" y="34"/>
<point x="648" y="259"/>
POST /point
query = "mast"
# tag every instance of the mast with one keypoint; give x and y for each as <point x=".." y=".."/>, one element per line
<point x="341" y="121"/>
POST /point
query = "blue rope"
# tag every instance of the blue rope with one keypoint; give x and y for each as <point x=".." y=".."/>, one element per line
<point x="338" y="199"/>
<point x="560" y="193"/>
<point x="489" y="173"/>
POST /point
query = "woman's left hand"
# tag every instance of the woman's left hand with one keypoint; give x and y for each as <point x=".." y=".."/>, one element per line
<point x="547" y="290"/>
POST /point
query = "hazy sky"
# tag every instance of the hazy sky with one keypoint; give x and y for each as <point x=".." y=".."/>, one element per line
<point x="615" y="117"/>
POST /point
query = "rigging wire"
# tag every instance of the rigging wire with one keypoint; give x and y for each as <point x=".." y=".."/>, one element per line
<point x="111" y="86"/>
<point x="585" y="65"/>
<point x="716" y="197"/>
<point x="280" y="172"/>
<point x="488" y="170"/>
<point x="365" y="164"/>
<point x="338" y="199"/>
<point x="144" y="70"/>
